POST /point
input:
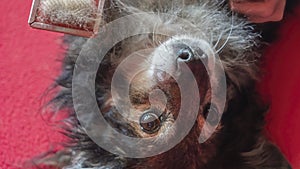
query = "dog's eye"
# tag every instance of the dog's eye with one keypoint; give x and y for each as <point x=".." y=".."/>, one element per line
<point x="211" y="114"/>
<point x="150" y="122"/>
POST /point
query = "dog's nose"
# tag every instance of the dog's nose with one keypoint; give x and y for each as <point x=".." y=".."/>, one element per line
<point x="185" y="54"/>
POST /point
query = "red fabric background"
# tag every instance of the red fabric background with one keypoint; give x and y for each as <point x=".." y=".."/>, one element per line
<point x="28" y="65"/>
<point x="282" y="85"/>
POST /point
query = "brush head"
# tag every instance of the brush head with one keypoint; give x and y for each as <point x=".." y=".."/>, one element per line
<point x="72" y="13"/>
<point x="77" y="17"/>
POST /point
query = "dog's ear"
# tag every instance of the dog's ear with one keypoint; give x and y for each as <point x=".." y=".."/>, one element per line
<point x="265" y="155"/>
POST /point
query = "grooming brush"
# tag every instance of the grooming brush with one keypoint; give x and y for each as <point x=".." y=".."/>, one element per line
<point x="77" y="17"/>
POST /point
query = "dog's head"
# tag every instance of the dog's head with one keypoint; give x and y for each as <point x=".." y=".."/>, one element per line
<point x="174" y="78"/>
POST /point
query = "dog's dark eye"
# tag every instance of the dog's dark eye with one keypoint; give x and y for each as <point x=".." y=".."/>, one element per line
<point x="185" y="54"/>
<point x="150" y="122"/>
<point x="211" y="114"/>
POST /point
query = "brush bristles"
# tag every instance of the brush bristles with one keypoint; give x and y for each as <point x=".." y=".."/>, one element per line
<point x="70" y="13"/>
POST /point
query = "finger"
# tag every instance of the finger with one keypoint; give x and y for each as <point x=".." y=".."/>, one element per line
<point x="268" y="10"/>
<point x="261" y="8"/>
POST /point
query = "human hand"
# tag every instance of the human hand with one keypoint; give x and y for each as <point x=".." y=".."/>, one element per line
<point x="259" y="11"/>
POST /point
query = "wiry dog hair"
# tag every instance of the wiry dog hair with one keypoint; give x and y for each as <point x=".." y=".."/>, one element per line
<point x="238" y="142"/>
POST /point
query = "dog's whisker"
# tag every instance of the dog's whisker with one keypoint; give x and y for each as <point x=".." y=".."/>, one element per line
<point x="229" y="35"/>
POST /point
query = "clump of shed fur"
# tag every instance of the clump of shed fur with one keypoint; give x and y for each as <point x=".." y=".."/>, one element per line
<point x="71" y="13"/>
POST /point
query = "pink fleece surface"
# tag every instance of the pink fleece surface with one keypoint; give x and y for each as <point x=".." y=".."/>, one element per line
<point x="28" y="65"/>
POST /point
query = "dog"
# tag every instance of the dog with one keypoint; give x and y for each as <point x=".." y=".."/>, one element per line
<point x="236" y="141"/>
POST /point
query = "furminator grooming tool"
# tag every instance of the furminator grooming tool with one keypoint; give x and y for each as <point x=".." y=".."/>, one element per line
<point x="77" y="17"/>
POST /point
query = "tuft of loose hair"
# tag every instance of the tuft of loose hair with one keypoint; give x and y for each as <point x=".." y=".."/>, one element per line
<point x="71" y="13"/>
